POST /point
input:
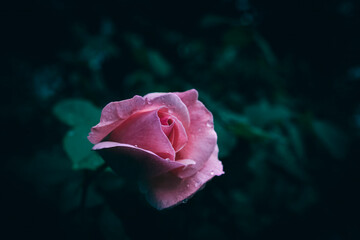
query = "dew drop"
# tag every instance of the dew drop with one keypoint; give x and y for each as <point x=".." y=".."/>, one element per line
<point x="135" y="145"/>
<point x="185" y="201"/>
<point x="187" y="185"/>
<point x="209" y="124"/>
<point x="170" y="111"/>
<point x="212" y="173"/>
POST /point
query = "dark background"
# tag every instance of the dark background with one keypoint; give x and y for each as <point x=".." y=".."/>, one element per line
<point x="282" y="79"/>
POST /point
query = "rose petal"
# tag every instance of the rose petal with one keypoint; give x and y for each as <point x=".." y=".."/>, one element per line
<point x="153" y="165"/>
<point x="186" y="162"/>
<point x="201" y="134"/>
<point x="143" y="129"/>
<point x="168" y="190"/>
<point x="173" y="103"/>
<point x="113" y="115"/>
<point x="179" y="136"/>
<point x="188" y="97"/>
<point x="175" y="131"/>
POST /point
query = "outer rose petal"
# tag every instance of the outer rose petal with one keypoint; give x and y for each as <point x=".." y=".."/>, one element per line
<point x="113" y="115"/>
<point x="143" y="129"/>
<point x="201" y="134"/>
<point x="188" y="97"/>
<point x="168" y="190"/>
<point x="153" y="165"/>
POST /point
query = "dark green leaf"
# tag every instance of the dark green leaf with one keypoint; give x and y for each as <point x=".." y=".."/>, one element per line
<point x="335" y="140"/>
<point x="295" y="139"/>
<point x="263" y="113"/>
<point x="78" y="148"/>
<point x="226" y="140"/>
<point x="159" y="64"/>
<point x="77" y="112"/>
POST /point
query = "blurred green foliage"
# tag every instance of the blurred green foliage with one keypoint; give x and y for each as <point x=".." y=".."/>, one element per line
<point x="283" y="90"/>
<point x="80" y="115"/>
<point x="261" y="138"/>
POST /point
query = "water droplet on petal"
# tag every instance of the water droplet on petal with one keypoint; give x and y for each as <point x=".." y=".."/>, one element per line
<point x="187" y="185"/>
<point x="209" y="124"/>
<point x="135" y="145"/>
<point x="170" y="111"/>
<point x="212" y="173"/>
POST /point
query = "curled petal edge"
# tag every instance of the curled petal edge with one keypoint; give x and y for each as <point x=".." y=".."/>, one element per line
<point x="152" y="164"/>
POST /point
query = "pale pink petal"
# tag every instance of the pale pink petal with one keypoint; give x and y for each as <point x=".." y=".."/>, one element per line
<point x="113" y="115"/>
<point x="201" y="135"/>
<point x="167" y="190"/>
<point x="173" y="103"/>
<point x="143" y="129"/>
<point x="167" y="129"/>
<point x="154" y="95"/>
<point x="115" y="154"/>
<point x="188" y="97"/>
<point x="179" y="136"/>
<point x="173" y="129"/>
<point x="186" y="162"/>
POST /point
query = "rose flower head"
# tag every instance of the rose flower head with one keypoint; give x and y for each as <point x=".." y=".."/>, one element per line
<point x="169" y="139"/>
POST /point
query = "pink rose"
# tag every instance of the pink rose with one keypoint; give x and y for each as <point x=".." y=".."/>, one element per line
<point x="170" y="136"/>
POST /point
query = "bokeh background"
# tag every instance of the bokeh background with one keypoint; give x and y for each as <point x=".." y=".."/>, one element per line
<point x="281" y="78"/>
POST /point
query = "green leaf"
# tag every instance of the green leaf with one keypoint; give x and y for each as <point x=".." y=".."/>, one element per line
<point x="76" y="112"/>
<point x="78" y="148"/>
<point x="265" y="48"/>
<point x="262" y="113"/>
<point x="159" y="64"/>
<point x="257" y="162"/>
<point x="295" y="139"/>
<point x="240" y="126"/>
<point x="248" y="131"/>
<point x="285" y="159"/>
<point x="226" y="140"/>
<point x="226" y="57"/>
<point x="335" y="140"/>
